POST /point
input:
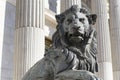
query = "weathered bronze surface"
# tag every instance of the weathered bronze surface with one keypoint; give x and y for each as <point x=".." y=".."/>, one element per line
<point x="72" y="55"/>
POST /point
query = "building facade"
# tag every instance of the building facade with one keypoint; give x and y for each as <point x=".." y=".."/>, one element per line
<point x="27" y="27"/>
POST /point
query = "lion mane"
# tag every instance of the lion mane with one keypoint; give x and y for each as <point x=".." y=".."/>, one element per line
<point x="87" y="51"/>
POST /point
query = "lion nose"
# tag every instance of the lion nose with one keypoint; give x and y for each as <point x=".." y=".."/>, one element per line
<point x="76" y="27"/>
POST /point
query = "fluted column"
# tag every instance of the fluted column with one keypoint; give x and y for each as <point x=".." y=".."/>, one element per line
<point x="29" y="35"/>
<point x="2" y="23"/>
<point x="65" y="4"/>
<point x="115" y="36"/>
<point x="47" y="4"/>
<point x="58" y="6"/>
<point x="99" y="7"/>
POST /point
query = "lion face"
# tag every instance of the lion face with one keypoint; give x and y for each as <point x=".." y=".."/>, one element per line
<point x="75" y="25"/>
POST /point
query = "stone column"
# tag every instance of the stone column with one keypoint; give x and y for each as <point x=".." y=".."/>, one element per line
<point x="115" y="36"/>
<point x="58" y="6"/>
<point x="65" y="4"/>
<point x="29" y="35"/>
<point x="47" y="4"/>
<point x="2" y="23"/>
<point x="99" y="7"/>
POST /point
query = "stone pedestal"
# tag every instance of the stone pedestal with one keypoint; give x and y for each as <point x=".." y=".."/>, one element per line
<point x="99" y="7"/>
<point x="29" y="35"/>
<point x="65" y="4"/>
<point x="2" y="24"/>
<point x="115" y="36"/>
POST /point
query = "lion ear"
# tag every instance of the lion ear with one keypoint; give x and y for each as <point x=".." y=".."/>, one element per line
<point x="92" y="18"/>
<point x="59" y="18"/>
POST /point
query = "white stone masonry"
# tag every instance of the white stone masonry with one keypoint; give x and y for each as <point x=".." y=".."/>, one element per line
<point x="65" y="4"/>
<point x="115" y="36"/>
<point x="29" y="35"/>
<point x="99" y="7"/>
<point x="2" y="25"/>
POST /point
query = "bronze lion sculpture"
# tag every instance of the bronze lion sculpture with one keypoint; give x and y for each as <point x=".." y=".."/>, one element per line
<point x="72" y="55"/>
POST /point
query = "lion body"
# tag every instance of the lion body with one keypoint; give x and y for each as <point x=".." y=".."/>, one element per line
<point x="74" y="47"/>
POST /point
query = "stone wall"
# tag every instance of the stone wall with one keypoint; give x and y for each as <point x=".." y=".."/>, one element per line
<point x="8" y="43"/>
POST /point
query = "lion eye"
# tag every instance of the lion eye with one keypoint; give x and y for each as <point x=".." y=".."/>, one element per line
<point x="69" y="20"/>
<point x="82" y="20"/>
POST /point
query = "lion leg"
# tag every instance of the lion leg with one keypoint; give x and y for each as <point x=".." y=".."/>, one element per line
<point x="40" y="71"/>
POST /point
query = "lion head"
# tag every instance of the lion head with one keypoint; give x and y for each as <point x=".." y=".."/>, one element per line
<point x="75" y="32"/>
<point x="74" y="27"/>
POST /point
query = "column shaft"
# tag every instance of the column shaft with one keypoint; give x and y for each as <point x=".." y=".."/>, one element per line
<point x="115" y="36"/>
<point x="65" y="4"/>
<point x="29" y="35"/>
<point x="46" y="4"/>
<point x="2" y="25"/>
<point x="29" y="13"/>
<point x="99" y="7"/>
<point x="58" y="6"/>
